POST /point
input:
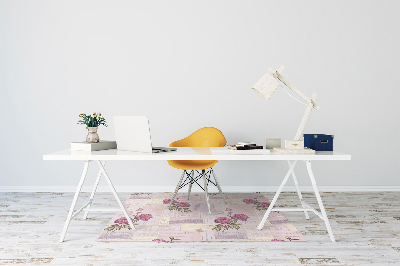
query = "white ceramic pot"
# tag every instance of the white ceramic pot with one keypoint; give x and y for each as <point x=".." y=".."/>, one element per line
<point x="92" y="136"/>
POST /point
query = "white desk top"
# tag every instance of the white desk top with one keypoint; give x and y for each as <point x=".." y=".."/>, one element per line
<point x="186" y="153"/>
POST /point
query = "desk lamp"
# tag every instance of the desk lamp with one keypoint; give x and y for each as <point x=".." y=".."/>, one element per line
<point x="266" y="86"/>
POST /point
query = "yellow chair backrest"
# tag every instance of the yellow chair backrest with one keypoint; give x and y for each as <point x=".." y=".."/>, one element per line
<point x="204" y="137"/>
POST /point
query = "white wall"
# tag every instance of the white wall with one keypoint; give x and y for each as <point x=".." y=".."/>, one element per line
<point x="190" y="64"/>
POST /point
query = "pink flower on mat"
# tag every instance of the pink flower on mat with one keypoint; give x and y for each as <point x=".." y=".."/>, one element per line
<point x="121" y="220"/>
<point x="223" y="220"/>
<point x="241" y="217"/>
<point x="166" y="201"/>
<point x="144" y="217"/>
<point x="159" y="240"/>
<point x="264" y="204"/>
<point x="249" y="201"/>
<point x="183" y="204"/>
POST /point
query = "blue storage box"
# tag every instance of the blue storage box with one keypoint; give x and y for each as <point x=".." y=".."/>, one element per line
<point x="318" y="142"/>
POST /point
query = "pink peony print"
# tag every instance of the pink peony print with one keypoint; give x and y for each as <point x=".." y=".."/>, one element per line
<point x="183" y="204"/>
<point x="264" y="204"/>
<point x="249" y="201"/>
<point x="171" y="239"/>
<point x="144" y="217"/>
<point x="223" y="220"/>
<point x="168" y="201"/>
<point x="178" y="206"/>
<point x="121" y="221"/>
<point x="259" y="205"/>
<point x="241" y="217"/>
<point x="229" y="222"/>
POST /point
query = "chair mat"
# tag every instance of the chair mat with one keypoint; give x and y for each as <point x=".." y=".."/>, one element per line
<point x="189" y="220"/>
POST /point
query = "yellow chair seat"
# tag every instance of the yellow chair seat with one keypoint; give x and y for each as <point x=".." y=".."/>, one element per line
<point x="192" y="164"/>
<point x="204" y="137"/>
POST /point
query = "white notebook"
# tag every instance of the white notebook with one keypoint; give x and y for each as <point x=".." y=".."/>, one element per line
<point x="86" y="146"/>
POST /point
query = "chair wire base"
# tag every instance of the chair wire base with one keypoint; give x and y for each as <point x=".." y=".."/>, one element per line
<point x="192" y="177"/>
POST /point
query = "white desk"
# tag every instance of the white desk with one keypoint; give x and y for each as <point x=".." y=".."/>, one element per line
<point x="194" y="154"/>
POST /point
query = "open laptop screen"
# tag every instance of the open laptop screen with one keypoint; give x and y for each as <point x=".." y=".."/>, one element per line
<point x="133" y="133"/>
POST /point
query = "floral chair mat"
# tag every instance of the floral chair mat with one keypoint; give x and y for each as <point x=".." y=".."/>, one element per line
<point x="189" y="220"/>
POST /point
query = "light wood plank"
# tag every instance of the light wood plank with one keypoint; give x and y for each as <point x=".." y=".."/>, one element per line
<point x="366" y="226"/>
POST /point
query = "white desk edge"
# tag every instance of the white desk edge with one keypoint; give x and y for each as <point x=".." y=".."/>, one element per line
<point x="186" y="153"/>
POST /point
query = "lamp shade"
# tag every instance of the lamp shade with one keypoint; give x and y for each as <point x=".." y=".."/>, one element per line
<point x="266" y="86"/>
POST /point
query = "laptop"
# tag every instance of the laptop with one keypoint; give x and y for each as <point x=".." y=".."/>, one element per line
<point x="133" y="134"/>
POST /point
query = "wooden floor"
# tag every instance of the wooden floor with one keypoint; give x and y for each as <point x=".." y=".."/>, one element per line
<point x="366" y="226"/>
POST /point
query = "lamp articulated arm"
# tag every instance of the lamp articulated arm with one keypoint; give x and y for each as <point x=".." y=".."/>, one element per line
<point x="277" y="75"/>
<point x="305" y="117"/>
<point x="311" y="102"/>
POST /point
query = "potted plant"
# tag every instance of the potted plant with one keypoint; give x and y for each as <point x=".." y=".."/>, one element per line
<point x="92" y="123"/>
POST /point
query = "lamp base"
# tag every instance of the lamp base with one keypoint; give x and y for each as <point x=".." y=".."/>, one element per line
<point x="293" y="151"/>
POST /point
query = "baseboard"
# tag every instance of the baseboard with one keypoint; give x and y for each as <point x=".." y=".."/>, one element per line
<point x="195" y="189"/>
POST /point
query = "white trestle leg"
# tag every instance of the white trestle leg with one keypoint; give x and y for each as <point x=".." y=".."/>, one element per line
<point x="321" y="205"/>
<point x="298" y="191"/>
<point x="116" y="195"/>
<point x="93" y="192"/>
<point x="261" y="225"/>
<point x="71" y="209"/>
<point x="305" y="207"/>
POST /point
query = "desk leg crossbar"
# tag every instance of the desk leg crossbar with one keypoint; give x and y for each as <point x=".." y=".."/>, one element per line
<point x="305" y="206"/>
<point x="86" y="207"/>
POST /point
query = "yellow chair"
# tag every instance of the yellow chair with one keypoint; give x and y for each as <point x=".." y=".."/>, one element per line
<point x="204" y="137"/>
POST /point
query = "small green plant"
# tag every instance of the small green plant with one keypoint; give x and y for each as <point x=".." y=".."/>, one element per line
<point x="93" y="120"/>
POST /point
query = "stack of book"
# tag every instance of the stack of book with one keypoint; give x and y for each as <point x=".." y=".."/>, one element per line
<point x="98" y="146"/>
<point x="240" y="149"/>
<point x="245" y="146"/>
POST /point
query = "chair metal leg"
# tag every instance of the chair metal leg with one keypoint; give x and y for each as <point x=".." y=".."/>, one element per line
<point x="177" y="188"/>
<point x="206" y="189"/>
<point x="219" y="187"/>
<point x="93" y="192"/>
<point x="190" y="184"/>
<point x="299" y="192"/>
